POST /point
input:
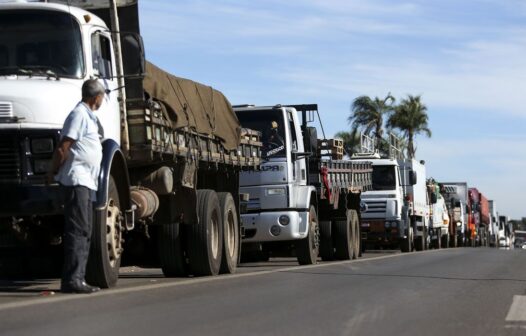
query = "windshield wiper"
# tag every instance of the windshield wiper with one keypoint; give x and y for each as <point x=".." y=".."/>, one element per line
<point x="42" y="70"/>
<point x="6" y="71"/>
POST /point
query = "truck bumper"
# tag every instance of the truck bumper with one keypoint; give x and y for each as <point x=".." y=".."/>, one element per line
<point x="21" y="200"/>
<point x="266" y="227"/>
<point x="376" y="232"/>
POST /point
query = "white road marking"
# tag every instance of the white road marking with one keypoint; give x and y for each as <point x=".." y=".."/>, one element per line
<point x="191" y="281"/>
<point x="517" y="310"/>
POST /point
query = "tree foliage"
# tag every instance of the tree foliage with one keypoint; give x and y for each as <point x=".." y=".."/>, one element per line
<point x="410" y="117"/>
<point x="367" y="115"/>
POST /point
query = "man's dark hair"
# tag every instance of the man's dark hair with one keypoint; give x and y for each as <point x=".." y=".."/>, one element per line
<point x="92" y="88"/>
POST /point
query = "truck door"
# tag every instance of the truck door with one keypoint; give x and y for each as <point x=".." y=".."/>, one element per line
<point x="103" y="67"/>
<point x="299" y="171"/>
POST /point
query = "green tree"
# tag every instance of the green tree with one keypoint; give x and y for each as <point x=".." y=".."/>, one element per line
<point x="410" y="117"/>
<point x="351" y="141"/>
<point x="368" y="115"/>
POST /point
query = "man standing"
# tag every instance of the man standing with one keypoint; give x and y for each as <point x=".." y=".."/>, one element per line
<point x="76" y="163"/>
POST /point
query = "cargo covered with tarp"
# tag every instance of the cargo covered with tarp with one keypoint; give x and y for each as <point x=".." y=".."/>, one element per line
<point x="193" y="105"/>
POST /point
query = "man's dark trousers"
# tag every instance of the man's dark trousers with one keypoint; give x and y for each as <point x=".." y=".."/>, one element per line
<point x="78" y="214"/>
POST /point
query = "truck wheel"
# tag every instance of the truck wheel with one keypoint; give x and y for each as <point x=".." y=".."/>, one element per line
<point x="231" y="235"/>
<point x="106" y="242"/>
<point x="343" y="239"/>
<point x="420" y="243"/>
<point x="204" y="238"/>
<point x="355" y="225"/>
<point x="407" y="243"/>
<point x="326" y="244"/>
<point x="308" y="248"/>
<point x="445" y="241"/>
<point x="171" y="252"/>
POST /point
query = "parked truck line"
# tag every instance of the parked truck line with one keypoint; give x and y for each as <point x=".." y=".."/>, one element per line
<point x="172" y="149"/>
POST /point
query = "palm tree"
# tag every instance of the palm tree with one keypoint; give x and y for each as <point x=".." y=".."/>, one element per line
<point x="410" y="117"/>
<point x="368" y="115"/>
<point x="351" y="141"/>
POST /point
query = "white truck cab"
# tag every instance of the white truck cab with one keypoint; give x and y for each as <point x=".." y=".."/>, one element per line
<point x="396" y="211"/>
<point x="47" y="51"/>
<point x="278" y="209"/>
<point x="382" y="219"/>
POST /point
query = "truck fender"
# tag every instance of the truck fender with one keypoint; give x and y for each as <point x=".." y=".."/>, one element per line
<point x="304" y="197"/>
<point x="113" y="161"/>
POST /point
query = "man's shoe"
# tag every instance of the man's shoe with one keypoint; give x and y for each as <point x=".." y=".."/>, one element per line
<point x="79" y="288"/>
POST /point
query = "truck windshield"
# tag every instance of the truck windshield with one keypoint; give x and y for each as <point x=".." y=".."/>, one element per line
<point x="270" y="124"/>
<point x="40" y="43"/>
<point x="384" y="178"/>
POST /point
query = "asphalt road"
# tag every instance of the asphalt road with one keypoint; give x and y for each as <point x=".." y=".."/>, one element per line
<point x="443" y="292"/>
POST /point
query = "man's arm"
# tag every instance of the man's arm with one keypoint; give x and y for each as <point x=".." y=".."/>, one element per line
<point x="59" y="157"/>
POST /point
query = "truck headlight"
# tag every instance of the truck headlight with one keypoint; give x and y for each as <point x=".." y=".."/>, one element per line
<point x="275" y="191"/>
<point x="41" y="166"/>
<point x="42" y="146"/>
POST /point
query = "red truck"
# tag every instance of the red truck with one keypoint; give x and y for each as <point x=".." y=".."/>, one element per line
<point x="478" y="213"/>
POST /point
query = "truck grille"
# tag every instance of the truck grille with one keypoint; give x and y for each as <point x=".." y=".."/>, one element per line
<point x="376" y="207"/>
<point x="9" y="160"/>
<point x="6" y="110"/>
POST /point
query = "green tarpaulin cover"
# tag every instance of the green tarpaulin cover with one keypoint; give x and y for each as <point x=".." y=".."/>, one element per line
<point x="194" y="105"/>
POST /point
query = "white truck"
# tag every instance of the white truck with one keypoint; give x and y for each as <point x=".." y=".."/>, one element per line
<point x="505" y="232"/>
<point x="304" y="200"/>
<point x="397" y="210"/>
<point x="439" y="224"/>
<point x="456" y="196"/>
<point x="172" y="148"/>
<point x="493" y="224"/>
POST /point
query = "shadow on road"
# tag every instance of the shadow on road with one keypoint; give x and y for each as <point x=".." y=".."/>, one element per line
<point x="404" y="276"/>
<point x="29" y="286"/>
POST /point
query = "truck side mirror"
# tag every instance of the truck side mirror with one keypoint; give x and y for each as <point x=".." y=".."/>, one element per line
<point x="133" y="55"/>
<point x="434" y="198"/>
<point x="412" y="177"/>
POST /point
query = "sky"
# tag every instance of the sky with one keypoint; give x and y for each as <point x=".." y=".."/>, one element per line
<point x="467" y="59"/>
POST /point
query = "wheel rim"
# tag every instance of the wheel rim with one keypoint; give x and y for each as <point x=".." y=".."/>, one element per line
<point x="231" y="233"/>
<point x="214" y="235"/>
<point x="113" y="232"/>
<point x="315" y="232"/>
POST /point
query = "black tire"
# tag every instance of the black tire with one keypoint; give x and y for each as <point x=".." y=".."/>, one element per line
<point x="343" y="239"/>
<point x="230" y="255"/>
<point x="355" y="225"/>
<point x="420" y="243"/>
<point x="171" y="252"/>
<point x="204" y="238"/>
<point x="106" y="242"/>
<point x="406" y="244"/>
<point x="445" y="241"/>
<point x="307" y="249"/>
<point x="326" y="243"/>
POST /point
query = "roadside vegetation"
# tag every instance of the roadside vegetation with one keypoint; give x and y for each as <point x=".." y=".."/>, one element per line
<point x="376" y="117"/>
